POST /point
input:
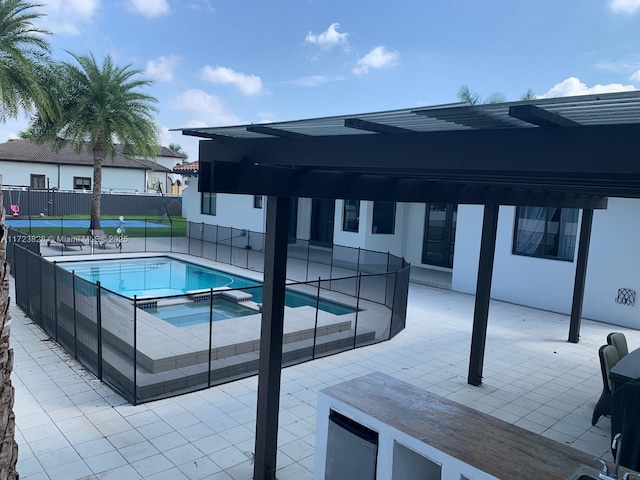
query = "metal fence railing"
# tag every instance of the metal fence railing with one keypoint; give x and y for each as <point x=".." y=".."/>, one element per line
<point x="149" y="348"/>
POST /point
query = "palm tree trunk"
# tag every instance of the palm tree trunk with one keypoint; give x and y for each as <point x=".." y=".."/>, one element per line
<point x="8" y="445"/>
<point x="98" y="155"/>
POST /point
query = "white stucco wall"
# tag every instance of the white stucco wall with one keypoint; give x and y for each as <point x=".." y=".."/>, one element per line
<point x="61" y="177"/>
<point x="231" y="210"/>
<point x="348" y="239"/>
<point x="548" y="284"/>
<point x="614" y="263"/>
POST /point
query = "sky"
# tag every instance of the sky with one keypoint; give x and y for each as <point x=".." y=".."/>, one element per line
<point x="230" y="62"/>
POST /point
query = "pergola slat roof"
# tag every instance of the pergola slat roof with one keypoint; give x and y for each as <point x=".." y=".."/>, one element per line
<point x="601" y="109"/>
<point x="557" y="152"/>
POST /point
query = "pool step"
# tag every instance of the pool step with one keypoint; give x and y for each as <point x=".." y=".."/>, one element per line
<point x="194" y="377"/>
<point x="237" y="296"/>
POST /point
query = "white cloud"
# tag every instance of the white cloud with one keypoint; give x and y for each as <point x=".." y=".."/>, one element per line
<point x="202" y="5"/>
<point x="624" y="6"/>
<point x="329" y="38"/>
<point x="247" y="84"/>
<point x="68" y="17"/>
<point x="312" y="81"/>
<point x="208" y="110"/>
<point x="379" y="57"/>
<point x="573" y="86"/>
<point x="635" y="76"/>
<point x="149" y="8"/>
<point x="163" y="68"/>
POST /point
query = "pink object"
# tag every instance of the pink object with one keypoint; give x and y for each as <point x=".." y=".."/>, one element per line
<point x="16" y="210"/>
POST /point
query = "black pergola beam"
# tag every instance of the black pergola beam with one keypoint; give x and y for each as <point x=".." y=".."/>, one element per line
<point x="368" y="126"/>
<point x="271" y="332"/>
<point x="539" y="116"/>
<point x="275" y="132"/>
<point x="483" y="293"/>
<point x="598" y="150"/>
<point x="249" y="179"/>
<point x="580" y="276"/>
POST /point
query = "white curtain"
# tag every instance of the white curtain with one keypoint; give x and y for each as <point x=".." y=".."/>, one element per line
<point x="530" y="229"/>
<point x="568" y="233"/>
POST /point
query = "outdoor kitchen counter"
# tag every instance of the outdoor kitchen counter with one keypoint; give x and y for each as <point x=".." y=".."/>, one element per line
<point x="461" y="433"/>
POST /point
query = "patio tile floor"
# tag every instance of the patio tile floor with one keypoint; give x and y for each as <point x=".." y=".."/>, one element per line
<point x="71" y="426"/>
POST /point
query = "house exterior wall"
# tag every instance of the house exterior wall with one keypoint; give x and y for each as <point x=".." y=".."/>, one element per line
<point x="548" y="284"/>
<point x="231" y="210"/>
<point x="537" y="282"/>
<point x="61" y="176"/>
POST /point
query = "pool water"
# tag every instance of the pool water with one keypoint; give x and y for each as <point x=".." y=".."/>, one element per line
<point x="151" y="277"/>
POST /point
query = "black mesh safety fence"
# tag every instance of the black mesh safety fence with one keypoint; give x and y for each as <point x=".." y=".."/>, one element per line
<point x="150" y="348"/>
<point x="116" y="341"/>
<point x="86" y="323"/>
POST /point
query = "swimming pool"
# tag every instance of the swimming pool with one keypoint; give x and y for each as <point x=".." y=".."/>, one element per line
<point x="151" y="277"/>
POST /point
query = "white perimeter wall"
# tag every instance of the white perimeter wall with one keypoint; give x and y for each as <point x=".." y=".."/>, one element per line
<point x="548" y="284"/>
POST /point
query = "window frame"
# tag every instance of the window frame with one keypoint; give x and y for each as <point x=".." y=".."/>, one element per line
<point x="374" y="226"/>
<point x="563" y="221"/>
<point x="208" y="199"/>
<point x="41" y="179"/>
<point x="348" y="224"/>
<point x="75" y="184"/>
<point x="257" y="201"/>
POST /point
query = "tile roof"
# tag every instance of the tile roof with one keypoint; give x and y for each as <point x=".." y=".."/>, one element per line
<point x="27" y="150"/>
<point x="186" y="168"/>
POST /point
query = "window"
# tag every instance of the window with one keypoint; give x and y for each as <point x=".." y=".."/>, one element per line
<point x="37" y="182"/>
<point x="384" y="217"/>
<point x="546" y="232"/>
<point x="257" y="201"/>
<point x="351" y="215"/>
<point x="208" y="204"/>
<point x="81" y="183"/>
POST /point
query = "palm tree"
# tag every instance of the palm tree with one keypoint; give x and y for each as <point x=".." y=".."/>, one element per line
<point x="24" y="74"/>
<point x="25" y="77"/>
<point x="102" y="105"/>
<point x="178" y="149"/>
<point x="474" y="98"/>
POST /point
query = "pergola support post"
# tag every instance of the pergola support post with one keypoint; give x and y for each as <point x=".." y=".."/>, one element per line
<point x="581" y="275"/>
<point x="483" y="293"/>
<point x="270" y="365"/>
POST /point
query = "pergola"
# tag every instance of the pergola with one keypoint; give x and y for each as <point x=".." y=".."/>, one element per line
<point x="571" y="152"/>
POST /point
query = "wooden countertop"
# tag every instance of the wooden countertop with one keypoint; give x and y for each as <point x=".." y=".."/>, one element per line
<point x="492" y="445"/>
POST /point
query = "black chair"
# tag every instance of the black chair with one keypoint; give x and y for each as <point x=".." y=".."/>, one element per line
<point x="608" y="358"/>
<point x="619" y="341"/>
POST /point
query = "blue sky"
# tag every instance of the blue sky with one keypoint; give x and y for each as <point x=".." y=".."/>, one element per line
<point x="225" y="62"/>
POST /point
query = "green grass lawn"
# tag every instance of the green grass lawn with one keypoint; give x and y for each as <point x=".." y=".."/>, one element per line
<point x="178" y="227"/>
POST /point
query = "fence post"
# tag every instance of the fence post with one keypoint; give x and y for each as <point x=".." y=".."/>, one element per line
<point x="217" y="238"/>
<point x="145" y="234"/>
<point x="75" y="322"/>
<point x="202" y="240"/>
<point x="306" y="278"/>
<point x="331" y="268"/>
<point x="355" y="324"/>
<point x="386" y="284"/>
<point x="210" y="335"/>
<point x="55" y="299"/>
<point x="135" y="350"/>
<point x="393" y="303"/>
<point x="40" y="315"/>
<point x="358" y="265"/>
<point x="315" y="328"/>
<point x="99" y="325"/>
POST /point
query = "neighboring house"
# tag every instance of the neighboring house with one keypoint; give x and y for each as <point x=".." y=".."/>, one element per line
<point x="535" y="256"/>
<point x="26" y="163"/>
